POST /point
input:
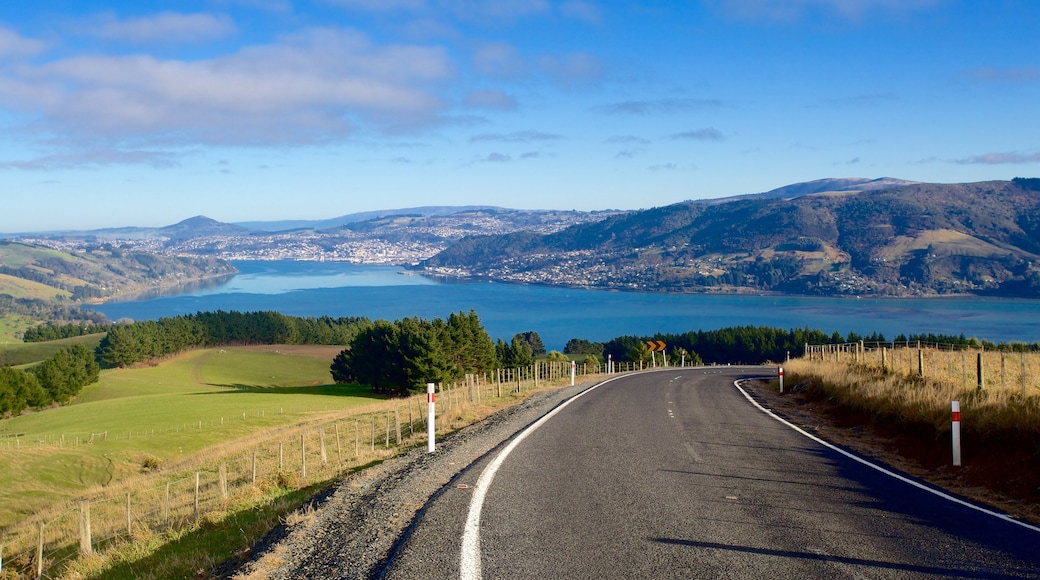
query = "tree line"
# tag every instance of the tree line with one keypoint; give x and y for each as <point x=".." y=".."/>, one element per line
<point x="55" y="380"/>
<point x="126" y="344"/>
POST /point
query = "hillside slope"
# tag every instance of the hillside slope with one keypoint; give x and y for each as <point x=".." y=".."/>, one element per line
<point x="34" y="279"/>
<point x="914" y="239"/>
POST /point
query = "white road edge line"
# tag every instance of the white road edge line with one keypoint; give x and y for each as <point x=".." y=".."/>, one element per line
<point x="469" y="568"/>
<point x="883" y="470"/>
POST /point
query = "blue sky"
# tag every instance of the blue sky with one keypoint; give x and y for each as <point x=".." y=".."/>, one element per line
<point x="146" y="113"/>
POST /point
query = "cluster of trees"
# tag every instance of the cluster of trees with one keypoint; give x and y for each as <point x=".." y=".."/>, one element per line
<point x="582" y="346"/>
<point x="55" y="380"/>
<point x="400" y="357"/>
<point x="51" y="331"/>
<point x="126" y="344"/>
<point x="741" y="344"/>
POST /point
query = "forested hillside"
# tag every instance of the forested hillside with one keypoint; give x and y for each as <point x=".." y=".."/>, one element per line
<point x="916" y="239"/>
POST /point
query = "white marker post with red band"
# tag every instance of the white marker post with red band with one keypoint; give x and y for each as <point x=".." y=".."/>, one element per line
<point x="955" y="415"/>
<point x="780" y="373"/>
<point x="431" y="424"/>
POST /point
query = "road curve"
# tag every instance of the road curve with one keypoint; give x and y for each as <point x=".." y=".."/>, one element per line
<point x="675" y="474"/>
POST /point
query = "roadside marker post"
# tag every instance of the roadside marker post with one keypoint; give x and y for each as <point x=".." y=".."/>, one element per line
<point x="574" y="367"/>
<point x="780" y="373"/>
<point x="610" y="364"/>
<point x="955" y="417"/>
<point x="431" y="425"/>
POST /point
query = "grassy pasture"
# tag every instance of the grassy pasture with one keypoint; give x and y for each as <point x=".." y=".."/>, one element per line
<point x="15" y="352"/>
<point x="20" y="288"/>
<point x="162" y="414"/>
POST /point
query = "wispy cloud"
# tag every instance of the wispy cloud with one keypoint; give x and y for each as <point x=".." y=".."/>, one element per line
<point x="792" y="10"/>
<point x="14" y="45"/>
<point x="573" y="69"/>
<point x="162" y="28"/>
<point x="490" y="99"/>
<point x="1004" y="75"/>
<point x="871" y="100"/>
<point x="516" y="137"/>
<point x="658" y="106"/>
<point x="627" y="139"/>
<point x="705" y="134"/>
<point x="95" y="159"/>
<point x="581" y="10"/>
<point x="1000" y="159"/>
<point x="304" y="88"/>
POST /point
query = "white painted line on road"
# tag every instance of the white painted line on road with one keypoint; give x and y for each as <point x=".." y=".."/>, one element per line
<point x="883" y="470"/>
<point x="469" y="568"/>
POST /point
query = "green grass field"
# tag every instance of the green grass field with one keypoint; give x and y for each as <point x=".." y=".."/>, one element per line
<point x="14" y="352"/>
<point x="153" y="414"/>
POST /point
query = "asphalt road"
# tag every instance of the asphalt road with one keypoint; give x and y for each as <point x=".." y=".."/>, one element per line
<point x="675" y="474"/>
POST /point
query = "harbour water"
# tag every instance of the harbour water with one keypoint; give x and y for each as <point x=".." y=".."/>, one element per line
<point x="559" y="314"/>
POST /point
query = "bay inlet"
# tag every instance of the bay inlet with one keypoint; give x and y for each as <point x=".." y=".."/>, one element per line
<point x="559" y="314"/>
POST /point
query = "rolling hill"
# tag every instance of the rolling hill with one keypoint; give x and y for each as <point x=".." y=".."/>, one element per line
<point x="907" y="239"/>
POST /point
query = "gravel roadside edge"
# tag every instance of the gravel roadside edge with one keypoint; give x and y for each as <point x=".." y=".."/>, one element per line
<point x="352" y="529"/>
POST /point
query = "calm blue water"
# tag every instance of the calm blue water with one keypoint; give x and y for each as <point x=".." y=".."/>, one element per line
<point x="559" y="314"/>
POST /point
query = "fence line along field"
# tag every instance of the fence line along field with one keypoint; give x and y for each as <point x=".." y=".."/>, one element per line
<point x="149" y="454"/>
<point x="904" y="392"/>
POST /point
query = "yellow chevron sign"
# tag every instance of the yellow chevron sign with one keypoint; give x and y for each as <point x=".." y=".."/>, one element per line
<point x="655" y="346"/>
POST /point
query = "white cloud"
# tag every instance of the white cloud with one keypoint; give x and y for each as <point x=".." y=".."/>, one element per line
<point x="163" y="28"/>
<point x="791" y="10"/>
<point x="580" y="10"/>
<point x="1004" y="75"/>
<point x="663" y="106"/>
<point x="380" y="5"/>
<point x="94" y="159"/>
<point x="706" y="134"/>
<point x="308" y="87"/>
<point x="516" y="137"/>
<point x="1000" y="159"/>
<point x="490" y="99"/>
<point x="13" y="45"/>
<point x="573" y="69"/>
<point x="498" y="10"/>
<point x="499" y="60"/>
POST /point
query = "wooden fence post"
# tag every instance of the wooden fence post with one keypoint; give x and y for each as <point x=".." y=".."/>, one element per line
<point x="339" y="448"/>
<point x="222" y="471"/>
<point x="981" y="381"/>
<point x="357" y="448"/>
<point x="324" y="453"/>
<point x="39" y="555"/>
<point x="1003" y="371"/>
<point x="387" y="444"/>
<point x="196" y="507"/>
<point x="129" y="521"/>
<point x="254" y="467"/>
<point x="166" y="507"/>
<point x="1023" y="375"/>
<point x="397" y="424"/>
<point x="281" y="464"/>
<point x="920" y="363"/>
<point x="85" y="545"/>
<point x="303" y="455"/>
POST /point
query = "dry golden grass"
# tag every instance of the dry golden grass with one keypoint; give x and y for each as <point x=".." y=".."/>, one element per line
<point x="911" y="411"/>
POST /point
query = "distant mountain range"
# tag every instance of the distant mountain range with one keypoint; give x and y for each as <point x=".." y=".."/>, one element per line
<point x="827" y="237"/>
<point x="848" y="236"/>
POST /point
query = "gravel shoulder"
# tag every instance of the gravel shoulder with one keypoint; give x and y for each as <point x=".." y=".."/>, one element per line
<point x="352" y="530"/>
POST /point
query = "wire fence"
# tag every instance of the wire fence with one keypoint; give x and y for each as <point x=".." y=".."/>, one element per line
<point x="955" y="365"/>
<point x="288" y="457"/>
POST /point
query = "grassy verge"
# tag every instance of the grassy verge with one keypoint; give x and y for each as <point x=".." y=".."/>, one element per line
<point x="186" y="464"/>
<point x="906" y="419"/>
